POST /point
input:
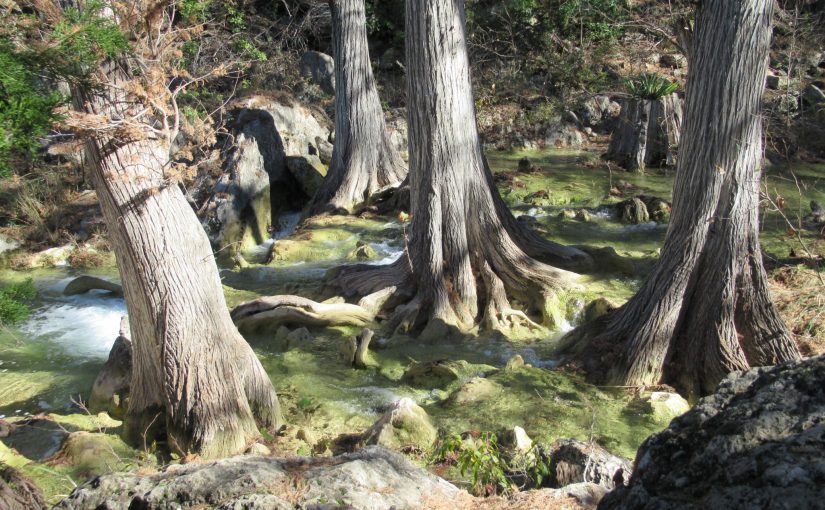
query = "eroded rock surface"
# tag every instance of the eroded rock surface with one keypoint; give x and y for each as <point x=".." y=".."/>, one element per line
<point x="757" y="442"/>
<point x="372" y="478"/>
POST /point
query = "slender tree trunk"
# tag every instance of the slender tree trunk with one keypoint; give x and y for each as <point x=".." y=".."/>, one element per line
<point x="706" y="309"/>
<point x="194" y="377"/>
<point x="466" y="253"/>
<point x="363" y="158"/>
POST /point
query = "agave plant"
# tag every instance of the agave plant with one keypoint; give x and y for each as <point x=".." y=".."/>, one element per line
<point x="650" y="86"/>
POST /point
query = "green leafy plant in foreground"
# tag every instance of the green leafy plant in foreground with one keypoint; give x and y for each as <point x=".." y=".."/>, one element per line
<point x="490" y="468"/>
<point x="650" y="86"/>
<point x="13" y="306"/>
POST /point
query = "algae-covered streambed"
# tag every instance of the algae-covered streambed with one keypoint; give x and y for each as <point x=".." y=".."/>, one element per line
<point x="48" y="363"/>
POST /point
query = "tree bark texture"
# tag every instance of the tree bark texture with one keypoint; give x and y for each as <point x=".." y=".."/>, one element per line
<point x="194" y="376"/>
<point x="648" y="133"/>
<point x="706" y="310"/>
<point x="466" y="254"/>
<point x="364" y="159"/>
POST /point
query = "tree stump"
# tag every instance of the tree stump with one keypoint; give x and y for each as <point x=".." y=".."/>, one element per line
<point x="648" y="133"/>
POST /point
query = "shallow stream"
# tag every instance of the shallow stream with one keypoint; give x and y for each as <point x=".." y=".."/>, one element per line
<point x="49" y="362"/>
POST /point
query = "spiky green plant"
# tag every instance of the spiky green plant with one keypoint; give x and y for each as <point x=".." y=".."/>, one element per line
<point x="650" y="86"/>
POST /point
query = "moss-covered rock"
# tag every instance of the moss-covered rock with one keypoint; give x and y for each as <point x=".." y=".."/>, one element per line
<point x="475" y="390"/>
<point x="597" y="308"/>
<point x="404" y="424"/>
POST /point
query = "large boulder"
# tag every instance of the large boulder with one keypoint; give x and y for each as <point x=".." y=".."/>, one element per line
<point x="273" y="166"/>
<point x="372" y="478"/>
<point x="757" y="442"/>
<point x="110" y="391"/>
<point x="560" y="134"/>
<point x="320" y="68"/>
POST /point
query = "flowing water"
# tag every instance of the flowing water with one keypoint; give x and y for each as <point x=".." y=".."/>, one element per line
<point x="53" y="357"/>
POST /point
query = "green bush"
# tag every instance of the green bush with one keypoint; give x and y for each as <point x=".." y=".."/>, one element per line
<point x="650" y="86"/>
<point x="13" y="298"/>
<point x="491" y="469"/>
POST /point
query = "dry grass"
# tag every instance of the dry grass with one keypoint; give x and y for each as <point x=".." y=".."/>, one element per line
<point x="799" y="295"/>
<point x="546" y="499"/>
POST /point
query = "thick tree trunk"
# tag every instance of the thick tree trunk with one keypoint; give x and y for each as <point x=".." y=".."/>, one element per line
<point x="706" y="309"/>
<point x="363" y="158"/>
<point x="194" y="377"/>
<point x="462" y="233"/>
<point x="648" y="133"/>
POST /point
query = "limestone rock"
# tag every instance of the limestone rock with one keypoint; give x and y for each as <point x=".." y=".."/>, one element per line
<point x="597" y="308"/>
<point x="432" y="374"/>
<point x="110" y="391"/>
<point x="600" y="113"/>
<point x="560" y="135"/>
<point x="757" y="442"/>
<point x="813" y="95"/>
<point x="370" y="479"/>
<point x="474" y="390"/>
<point x="83" y="284"/>
<point x="308" y="172"/>
<point x="573" y="461"/>
<point x="258" y="449"/>
<point x="362" y="252"/>
<point x="514" y="363"/>
<point x="663" y="406"/>
<point x="320" y="67"/>
<point x="523" y="443"/>
<point x="404" y="424"/>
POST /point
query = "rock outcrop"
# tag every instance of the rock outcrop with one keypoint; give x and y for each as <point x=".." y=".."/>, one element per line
<point x="274" y="165"/>
<point x="372" y="478"/>
<point x="320" y="68"/>
<point x="757" y="442"/>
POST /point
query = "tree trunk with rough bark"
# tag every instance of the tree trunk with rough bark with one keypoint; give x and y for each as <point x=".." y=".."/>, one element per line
<point x="706" y="309"/>
<point x="364" y="159"/>
<point x="195" y="379"/>
<point x="466" y="254"/>
<point x="648" y="133"/>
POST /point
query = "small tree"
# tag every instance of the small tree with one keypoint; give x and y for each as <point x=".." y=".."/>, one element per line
<point x="363" y="157"/>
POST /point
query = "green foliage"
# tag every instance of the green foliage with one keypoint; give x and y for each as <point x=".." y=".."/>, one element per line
<point x="194" y="11"/>
<point x="13" y="297"/>
<point x="650" y="86"/>
<point x="490" y="469"/>
<point x="480" y="458"/>
<point x="26" y="107"/>
<point x="33" y="58"/>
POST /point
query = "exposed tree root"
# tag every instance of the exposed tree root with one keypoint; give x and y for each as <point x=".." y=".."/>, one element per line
<point x="274" y="311"/>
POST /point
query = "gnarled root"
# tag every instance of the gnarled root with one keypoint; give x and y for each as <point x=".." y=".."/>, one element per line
<point x="273" y="311"/>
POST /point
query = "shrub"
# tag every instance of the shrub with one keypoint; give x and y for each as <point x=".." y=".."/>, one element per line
<point x="84" y="258"/>
<point x="650" y="86"/>
<point x="13" y="298"/>
<point x="493" y="470"/>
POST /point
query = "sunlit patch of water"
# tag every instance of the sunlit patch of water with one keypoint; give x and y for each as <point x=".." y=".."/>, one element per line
<point x="82" y="327"/>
